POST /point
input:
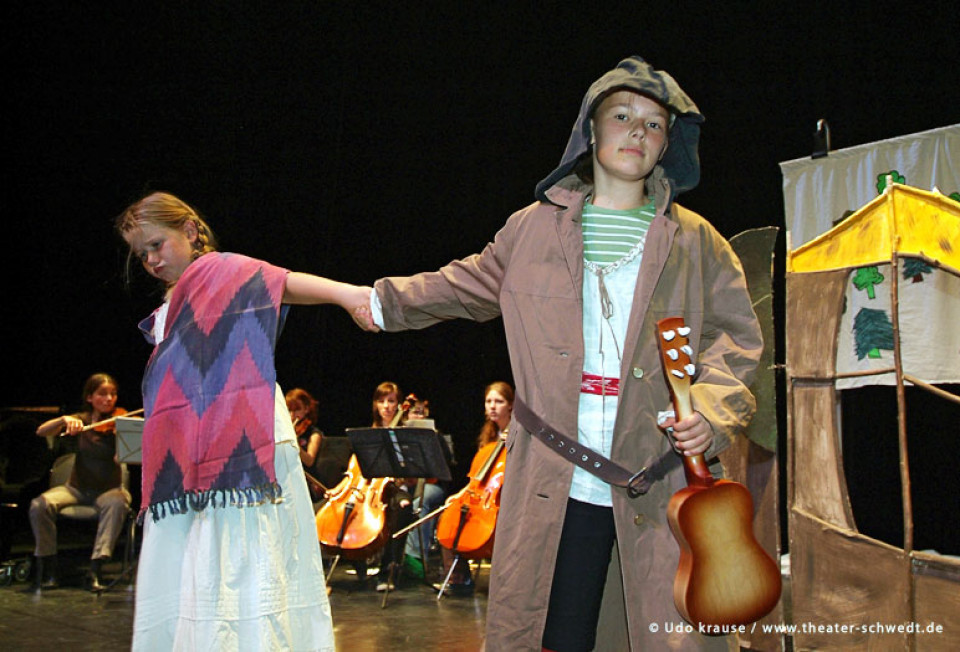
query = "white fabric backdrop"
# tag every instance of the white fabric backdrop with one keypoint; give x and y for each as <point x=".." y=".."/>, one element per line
<point x="817" y="192"/>
<point x="929" y="328"/>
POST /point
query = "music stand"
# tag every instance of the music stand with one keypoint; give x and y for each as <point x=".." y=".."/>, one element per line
<point x="129" y="440"/>
<point x="129" y="451"/>
<point x="399" y="453"/>
<point x="403" y="452"/>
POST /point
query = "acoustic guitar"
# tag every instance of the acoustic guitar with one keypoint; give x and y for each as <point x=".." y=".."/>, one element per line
<point x="724" y="578"/>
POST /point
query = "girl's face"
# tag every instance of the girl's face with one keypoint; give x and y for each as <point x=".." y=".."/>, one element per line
<point x="164" y="252"/>
<point x="297" y="410"/>
<point x="387" y="408"/>
<point x="497" y="408"/>
<point x="103" y="399"/>
<point x="631" y="137"/>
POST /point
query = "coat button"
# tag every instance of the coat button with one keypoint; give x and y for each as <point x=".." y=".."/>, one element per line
<point x="637" y="372"/>
<point x="638" y="519"/>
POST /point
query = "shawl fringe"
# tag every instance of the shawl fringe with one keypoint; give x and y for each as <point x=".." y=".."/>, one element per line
<point x="197" y="501"/>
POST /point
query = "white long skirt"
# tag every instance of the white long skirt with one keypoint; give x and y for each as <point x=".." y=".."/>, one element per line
<point x="237" y="578"/>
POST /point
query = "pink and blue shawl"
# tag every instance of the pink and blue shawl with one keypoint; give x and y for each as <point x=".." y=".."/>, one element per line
<point x="208" y="389"/>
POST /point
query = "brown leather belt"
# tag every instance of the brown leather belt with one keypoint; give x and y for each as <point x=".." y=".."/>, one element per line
<point x="590" y="460"/>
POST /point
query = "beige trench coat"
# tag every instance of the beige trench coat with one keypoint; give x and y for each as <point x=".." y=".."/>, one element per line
<point x="531" y="275"/>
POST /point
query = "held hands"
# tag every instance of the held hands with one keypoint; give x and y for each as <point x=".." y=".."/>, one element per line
<point x="691" y="436"/>
<point x="357" y="303"/>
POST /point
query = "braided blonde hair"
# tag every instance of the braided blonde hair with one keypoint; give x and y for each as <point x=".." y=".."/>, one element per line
<point x="165" y="210"/>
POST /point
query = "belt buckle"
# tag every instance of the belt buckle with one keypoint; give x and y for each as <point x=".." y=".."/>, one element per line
<point x="637" y="485"/>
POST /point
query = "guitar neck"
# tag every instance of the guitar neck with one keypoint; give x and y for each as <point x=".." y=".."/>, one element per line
<point x="677" y="357"/>
<point x="694" y="466"/>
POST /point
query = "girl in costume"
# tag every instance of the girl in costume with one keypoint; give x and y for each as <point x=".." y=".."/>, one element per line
<point x="230" y="557"/>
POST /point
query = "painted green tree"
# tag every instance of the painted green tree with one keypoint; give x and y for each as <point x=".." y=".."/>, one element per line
<point x="872" y="331"/>
<point x="882" y="179"/>
<point x="866" y="278"/>
<point x="915" y="268"/>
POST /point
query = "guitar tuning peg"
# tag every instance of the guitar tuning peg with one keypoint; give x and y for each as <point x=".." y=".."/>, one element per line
<point x="686" y="348"/>
<point x="668" y="335"/>
<point x="683" y="330"/>
<point x="677" y="373"/>
<point x="672" y="354"/>
<point x="690" y="369"/>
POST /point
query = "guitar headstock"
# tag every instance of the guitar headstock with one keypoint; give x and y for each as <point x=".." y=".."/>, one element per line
<point x="676" y="354"/>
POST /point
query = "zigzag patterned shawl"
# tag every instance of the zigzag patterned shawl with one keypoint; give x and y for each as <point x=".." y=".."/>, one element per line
<point x="208" y="389"/>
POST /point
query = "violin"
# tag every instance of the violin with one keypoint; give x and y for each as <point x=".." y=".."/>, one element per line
<point x="107" y="425"/>
<point x="469" y="519"/>
<point x="352" y="521"/>
<point x="302" y="426"/>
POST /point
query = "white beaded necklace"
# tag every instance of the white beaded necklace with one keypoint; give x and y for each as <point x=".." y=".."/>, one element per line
<point x="606" y="307"/>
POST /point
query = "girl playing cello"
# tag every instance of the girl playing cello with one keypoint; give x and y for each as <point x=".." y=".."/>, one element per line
<point x="376" y="506"/>
<point x="498" y="407"/>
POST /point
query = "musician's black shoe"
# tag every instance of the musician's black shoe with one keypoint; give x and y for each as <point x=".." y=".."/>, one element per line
<point x="94" y="579"/>
<point x="461" y="590"/>
<point x="46" y="573"/>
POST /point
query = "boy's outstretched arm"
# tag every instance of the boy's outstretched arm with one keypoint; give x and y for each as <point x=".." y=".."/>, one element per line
<point x="307" y="289"/>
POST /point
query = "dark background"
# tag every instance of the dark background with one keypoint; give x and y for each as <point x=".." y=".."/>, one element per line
<point x="355" y="140"/>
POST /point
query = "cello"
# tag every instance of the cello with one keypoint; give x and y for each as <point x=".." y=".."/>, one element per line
<point x="724" y="577"/>
<point x="469" y="518"/>
<point x="352" y="523"/>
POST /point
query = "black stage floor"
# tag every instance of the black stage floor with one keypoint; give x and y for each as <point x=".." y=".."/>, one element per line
<point x="71" y="618"/>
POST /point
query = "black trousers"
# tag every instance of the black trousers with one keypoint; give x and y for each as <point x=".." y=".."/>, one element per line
<point x="586" y="543"/>
<point x="397" y="518"/>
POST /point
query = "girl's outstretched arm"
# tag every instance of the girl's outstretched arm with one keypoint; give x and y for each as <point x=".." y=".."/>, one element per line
<point x="307" y="289"/>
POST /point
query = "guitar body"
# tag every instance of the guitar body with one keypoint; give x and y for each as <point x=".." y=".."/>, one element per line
<point x="724" y="577"/>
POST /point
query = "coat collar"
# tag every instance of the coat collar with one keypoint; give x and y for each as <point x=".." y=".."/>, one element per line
<point x="659" y="242"/>
<point x="570" y="234"/>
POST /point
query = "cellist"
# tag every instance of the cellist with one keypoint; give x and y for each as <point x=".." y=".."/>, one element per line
<point x="498" y="408"/>
<point x="389" y="412"/>
<point x="391" y="502"/>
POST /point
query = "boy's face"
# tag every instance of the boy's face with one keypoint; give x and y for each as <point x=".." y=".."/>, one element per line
<point x="630" y="137"/>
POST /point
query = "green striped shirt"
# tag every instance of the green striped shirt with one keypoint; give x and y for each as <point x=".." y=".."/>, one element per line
<point x="609" y="235"/>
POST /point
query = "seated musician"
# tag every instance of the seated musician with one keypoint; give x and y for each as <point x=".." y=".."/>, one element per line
<point x="498" y="408"/>
<point x="95" y="480"/>
<point x="433" y="496"/>
<point x="303" y="411"/>
<point x="387" y="413"/>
